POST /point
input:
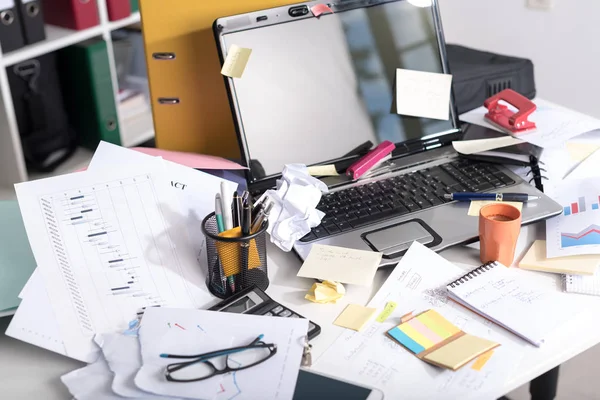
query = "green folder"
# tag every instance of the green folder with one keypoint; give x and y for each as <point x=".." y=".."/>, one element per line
<point x="135" y="6"/>
<point x="88" y="92"/>
<point x="16" y="259"/>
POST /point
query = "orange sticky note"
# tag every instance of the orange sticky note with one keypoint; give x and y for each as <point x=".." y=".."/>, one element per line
<point x="482" y="360"/>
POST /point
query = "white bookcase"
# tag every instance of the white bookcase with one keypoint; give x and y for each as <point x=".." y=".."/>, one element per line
<point x="12" y="163"/>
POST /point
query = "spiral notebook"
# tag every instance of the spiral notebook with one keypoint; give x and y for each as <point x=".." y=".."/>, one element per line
<point x="583" y="284"/>
<point x="508" y="298"/>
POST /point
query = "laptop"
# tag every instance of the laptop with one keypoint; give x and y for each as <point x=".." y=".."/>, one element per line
<point x="320" y="91"/>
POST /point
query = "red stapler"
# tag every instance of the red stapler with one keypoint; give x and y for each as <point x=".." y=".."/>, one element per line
<point x="502" y="117"/>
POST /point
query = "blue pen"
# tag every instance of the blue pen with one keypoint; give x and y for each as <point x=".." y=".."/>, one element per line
<point x="467" y="196"/>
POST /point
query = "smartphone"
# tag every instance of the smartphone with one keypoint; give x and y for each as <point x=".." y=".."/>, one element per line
<point x="316" y="386"/>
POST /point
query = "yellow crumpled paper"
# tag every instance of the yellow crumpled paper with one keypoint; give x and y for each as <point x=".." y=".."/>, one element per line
<point x="326" y="292"/>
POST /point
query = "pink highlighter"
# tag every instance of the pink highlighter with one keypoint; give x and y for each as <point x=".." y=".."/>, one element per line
<point x="363" y="165"/>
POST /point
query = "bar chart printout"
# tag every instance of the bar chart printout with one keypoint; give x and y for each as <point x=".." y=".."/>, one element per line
<point x="577" y="230"/>
<point x="108" y="248"/>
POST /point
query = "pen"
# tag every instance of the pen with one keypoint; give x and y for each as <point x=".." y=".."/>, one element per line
<point x="245" y="196"/>
<point x="226" y="199"/>
<point x="219" y="213"/>
<point x="261" y="217"/>
<point x="237" y="208"/>
<point x="466" y="196"/>
<point x="246" y="221"/>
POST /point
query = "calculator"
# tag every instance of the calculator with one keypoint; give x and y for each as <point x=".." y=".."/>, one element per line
<point x="255" y="301"/>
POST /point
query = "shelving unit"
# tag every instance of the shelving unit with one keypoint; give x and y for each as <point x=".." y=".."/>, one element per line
<point x="12" y="163"/>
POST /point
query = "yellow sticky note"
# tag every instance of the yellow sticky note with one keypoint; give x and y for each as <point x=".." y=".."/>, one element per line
<point x="580" y="151"/>
<point x="440" y="325"/>
<point x="323" y="170"/>
<point x="536" y="260"/>
<point x="415" y="335"/>
<point x="355" y="317"/>
<point x="236" y="61"/>
<point x="387" y="311"/>
<point x="482" y="360"/>
<point x="478" y="205"/>
<point x="460" y="351"/>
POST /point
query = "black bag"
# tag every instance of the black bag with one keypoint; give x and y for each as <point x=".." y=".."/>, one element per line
<point x="478" y="75"/>
<point x="46" y="136"/>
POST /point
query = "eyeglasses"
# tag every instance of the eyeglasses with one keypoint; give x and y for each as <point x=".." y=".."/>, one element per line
<point x="201" y="366"/>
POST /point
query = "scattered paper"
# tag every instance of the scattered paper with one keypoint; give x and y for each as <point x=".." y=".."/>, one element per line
<point x="326" y="292"/>
<point x="387" y="311"/>
<point x="355" y="317"/>
<point x="236" y="61"/>
<point x="323" y="170"/>
<point x="357" y="267"/>
<point x="577" y="230"/>
<point x="119" y="225"/>
<point x="536" y="260"/>
<point x="92" y="382"/>
<point x="555" y="124"/>
<point x="372" y="359"/>
<point x="423" y="94"/>
<point x="481" y="145"/>
<point x="476" y="206"/>
<point x="320" y="9"/>
<point x="581" y="151"/>
<point x="294" y="212"/>
<point x="188" y="331"/>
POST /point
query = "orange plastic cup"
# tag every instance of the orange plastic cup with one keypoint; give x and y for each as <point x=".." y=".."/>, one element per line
<point x="499" y="228"/>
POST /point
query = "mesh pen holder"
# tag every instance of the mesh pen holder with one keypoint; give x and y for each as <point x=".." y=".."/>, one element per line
<point x="234" y="262"/>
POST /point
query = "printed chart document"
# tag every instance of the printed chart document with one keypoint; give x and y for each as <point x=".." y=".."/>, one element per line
<point x="194" y="190"/>
<point x="555" y="124"/>
<point x="577" y="230"/>
<point x="108" y="246"/>
<point x="177" y="331"/>
<point x="371" y="358"/>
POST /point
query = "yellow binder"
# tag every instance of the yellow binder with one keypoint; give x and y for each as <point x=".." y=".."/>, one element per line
<point x="201" y="120"/>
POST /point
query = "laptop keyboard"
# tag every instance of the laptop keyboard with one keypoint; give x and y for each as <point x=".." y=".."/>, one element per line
<point x="373" y="202"/>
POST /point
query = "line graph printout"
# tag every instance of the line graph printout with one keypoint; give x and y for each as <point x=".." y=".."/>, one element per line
<point x="371" y="358"/>
<point x="577" y="230"/>
<point x="108" y="248"/>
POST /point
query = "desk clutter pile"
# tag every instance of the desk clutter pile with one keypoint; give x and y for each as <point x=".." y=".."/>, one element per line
<point x="121" y="284"/>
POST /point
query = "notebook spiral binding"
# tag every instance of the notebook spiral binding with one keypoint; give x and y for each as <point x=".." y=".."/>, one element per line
<point x="476" y="272"/>
<point x="536" y="172"/>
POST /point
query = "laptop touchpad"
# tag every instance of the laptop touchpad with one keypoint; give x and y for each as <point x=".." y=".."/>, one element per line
<point x="397" y="239"/>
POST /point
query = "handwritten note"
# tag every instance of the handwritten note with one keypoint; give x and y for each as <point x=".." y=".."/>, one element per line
<point x="339" y="264"/>
<point x="423" y="94"/>
<point x="236" y="61"/>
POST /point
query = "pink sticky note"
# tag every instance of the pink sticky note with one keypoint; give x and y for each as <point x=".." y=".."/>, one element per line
<point x="321" y="9"/>
<point x="191" y="160"/>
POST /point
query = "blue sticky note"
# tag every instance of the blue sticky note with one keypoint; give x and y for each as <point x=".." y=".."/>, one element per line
<point x="405" y="340"/>
<point x="16" y="259"/>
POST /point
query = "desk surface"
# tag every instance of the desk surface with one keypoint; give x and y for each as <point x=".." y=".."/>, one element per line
<point x="30" y="372"/>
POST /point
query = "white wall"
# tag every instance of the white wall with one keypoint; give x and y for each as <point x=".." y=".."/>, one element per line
<point x="563" y="43"/>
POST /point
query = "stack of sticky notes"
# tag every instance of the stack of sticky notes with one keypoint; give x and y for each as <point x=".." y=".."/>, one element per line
<point x="536" y="260"/>
<point x="433" y="339"/>
<point x="326" y="292"/>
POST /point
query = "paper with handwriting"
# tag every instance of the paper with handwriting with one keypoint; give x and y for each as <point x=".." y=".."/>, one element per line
<point x="339" y="264"/>
<point x="423" y="94"/>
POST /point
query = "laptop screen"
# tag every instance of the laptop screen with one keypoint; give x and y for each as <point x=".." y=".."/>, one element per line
<point x="314" y="89"/>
